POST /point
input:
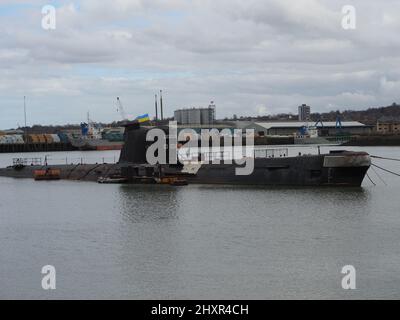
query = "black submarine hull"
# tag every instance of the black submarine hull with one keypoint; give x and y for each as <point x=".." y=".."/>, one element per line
<point x="341" y="168"/>
<point x="344" y="169"/>
<point x="80" y="172"/>
<point x="294" y="171"/>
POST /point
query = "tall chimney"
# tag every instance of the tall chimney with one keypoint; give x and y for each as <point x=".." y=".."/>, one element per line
<point x="156" y="109"/>
<point x="161" y="102"/>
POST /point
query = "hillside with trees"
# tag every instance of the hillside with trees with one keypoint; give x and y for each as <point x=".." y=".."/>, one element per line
<point x="368" y="116"/>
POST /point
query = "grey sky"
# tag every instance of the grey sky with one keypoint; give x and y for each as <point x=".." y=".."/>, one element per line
<point x="250" y="57"/>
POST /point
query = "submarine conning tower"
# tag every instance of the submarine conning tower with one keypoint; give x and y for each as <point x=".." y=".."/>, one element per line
<point x="135" y="144"/>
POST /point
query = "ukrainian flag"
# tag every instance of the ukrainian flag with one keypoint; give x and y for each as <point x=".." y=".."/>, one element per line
<point x="143" y="118"/>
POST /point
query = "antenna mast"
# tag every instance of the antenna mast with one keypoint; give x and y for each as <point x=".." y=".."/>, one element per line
<point x="161" y="102"/>
<point x="156" y="109"/>
<point x="25" y="129"/>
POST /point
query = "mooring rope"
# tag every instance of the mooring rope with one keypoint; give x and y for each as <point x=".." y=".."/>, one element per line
<point x="383" y="158"/>
<point x="378" y="175"/>
<point x="371" y="179"/>
<point x="396" y="174"/>
<point x="89" y="171"/>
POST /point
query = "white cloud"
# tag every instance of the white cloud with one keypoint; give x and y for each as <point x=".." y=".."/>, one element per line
<point x="245" y="55"/>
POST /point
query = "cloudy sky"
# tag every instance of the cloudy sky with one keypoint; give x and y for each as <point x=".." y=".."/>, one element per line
<point x="250" y="56"/>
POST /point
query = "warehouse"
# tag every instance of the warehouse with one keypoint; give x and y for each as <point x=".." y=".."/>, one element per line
<point x="388" y="125"/>
<point x="324" y="128"/>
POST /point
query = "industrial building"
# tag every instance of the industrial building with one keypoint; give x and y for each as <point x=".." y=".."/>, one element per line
<point x="304" y="113"/>
<point x="197" y="116"/>
<point x="387" y="125"/>
<point x="324" y="128"/>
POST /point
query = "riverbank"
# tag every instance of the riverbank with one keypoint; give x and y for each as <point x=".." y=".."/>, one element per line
<point x="374" y="141"/>
<point x="36" y="147"/>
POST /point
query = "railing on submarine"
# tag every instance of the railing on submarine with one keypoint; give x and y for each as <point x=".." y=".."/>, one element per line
<point x="188" y="154"/>
<point x="27" y="161"/>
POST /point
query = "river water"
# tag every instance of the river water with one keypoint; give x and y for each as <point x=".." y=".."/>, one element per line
<point x="198" y="242"/>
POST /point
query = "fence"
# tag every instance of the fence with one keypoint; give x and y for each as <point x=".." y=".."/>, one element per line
<point x="66" y="160"/>
<point x="27" y="161"/>
<point x="81" y="160"/>
<point x="231" y="154"/>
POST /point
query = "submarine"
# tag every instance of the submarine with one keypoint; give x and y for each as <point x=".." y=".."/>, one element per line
<point x="333" y="169"/>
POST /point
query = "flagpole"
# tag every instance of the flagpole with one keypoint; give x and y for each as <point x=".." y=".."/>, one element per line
<point x="25" y="129"/>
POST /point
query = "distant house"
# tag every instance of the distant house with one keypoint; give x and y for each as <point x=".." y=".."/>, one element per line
<point x="386" y="125"/>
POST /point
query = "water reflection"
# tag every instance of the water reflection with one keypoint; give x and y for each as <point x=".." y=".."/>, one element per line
<point x="335" y="203"/>
<point x="147" y="203"/>
<point x="150" y="240"/>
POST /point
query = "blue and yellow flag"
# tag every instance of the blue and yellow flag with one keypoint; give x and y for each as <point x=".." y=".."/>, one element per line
<point x="143" y="118"/>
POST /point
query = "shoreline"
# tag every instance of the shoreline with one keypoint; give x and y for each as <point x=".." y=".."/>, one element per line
<point x="374" y="141"/>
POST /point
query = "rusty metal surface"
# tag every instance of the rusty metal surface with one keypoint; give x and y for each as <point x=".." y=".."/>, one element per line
<point x="347" y="160"/>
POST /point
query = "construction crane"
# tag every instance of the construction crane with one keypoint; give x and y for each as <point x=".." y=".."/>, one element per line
<point x="120" y="109"/>
<point x="339" y="123"/>
<point x="319" y="122"/>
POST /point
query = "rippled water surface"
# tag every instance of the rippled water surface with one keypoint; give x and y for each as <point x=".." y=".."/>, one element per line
<point x="199" y="242"/>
